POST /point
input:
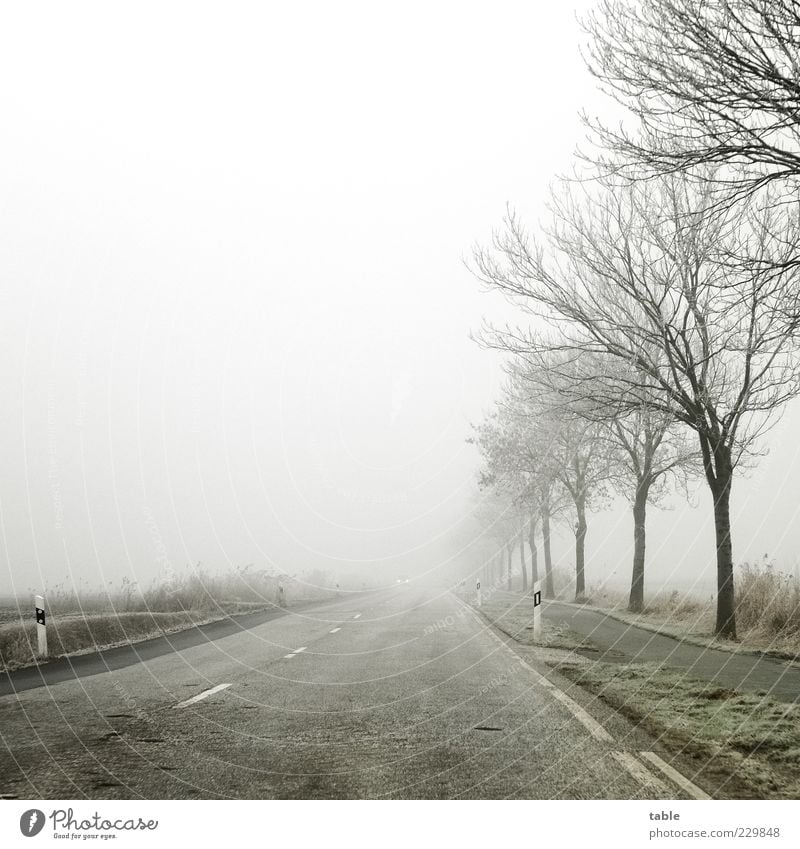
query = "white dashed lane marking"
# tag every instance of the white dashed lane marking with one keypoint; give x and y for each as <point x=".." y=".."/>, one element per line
<point x="357" y="616"/>
<point x="293" y="653"/>
<point x="204" y="695"/>
<point x="335" y="630"/>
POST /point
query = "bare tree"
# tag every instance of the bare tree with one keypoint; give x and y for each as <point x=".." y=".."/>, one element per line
<point x="558" y="446"/>
<point x="646" y="446"/>
<point x="716" y="81"/>
<point x="582" y="468"/>
<point x="506" y="473"/>
<point x="498" y="513"/>
<point x="641" y="278"/>
<point x="651" y="452"/>
<point x="518" y="459"/>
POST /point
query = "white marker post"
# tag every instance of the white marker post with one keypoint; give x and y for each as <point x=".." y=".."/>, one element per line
<point x="478" y="591"/>
<point x="537" y="610"/>
<point x="41" y="627"/>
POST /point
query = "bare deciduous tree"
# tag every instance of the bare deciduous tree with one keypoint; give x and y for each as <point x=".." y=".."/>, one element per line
<point x="651" y="452"/>
<point x="643" y="279"/>
<point x="518" y="460"/>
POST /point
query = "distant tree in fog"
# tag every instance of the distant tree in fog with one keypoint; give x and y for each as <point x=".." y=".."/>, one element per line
<point x="644" y="446"/>
<point x="533" y="451"/>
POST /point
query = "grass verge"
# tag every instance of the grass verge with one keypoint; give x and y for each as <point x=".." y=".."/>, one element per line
<point x="81" y="619"/>
<point x="745" y="744"/>
<point x="512" y="614"/>
<point x="75" y="633"/>
<point x="767" y="613"/>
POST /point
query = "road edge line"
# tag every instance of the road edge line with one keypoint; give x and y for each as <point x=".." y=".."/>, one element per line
<point x="681" y="780"/>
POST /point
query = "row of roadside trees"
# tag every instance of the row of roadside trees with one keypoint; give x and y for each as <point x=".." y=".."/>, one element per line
<point x="661" y="306"/>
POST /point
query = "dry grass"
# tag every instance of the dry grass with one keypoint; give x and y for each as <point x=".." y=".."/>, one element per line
<point x="81" y="618"/>
<point x="70" y="634"/>
<point x="768" y="603"/>
<point x="767" y="610"/>
<point x="512" y="614"/>
<point x="563" y="582"/>
<point x="746" y="744"/>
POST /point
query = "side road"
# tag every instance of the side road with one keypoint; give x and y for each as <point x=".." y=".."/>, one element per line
<point x="616" y="641"/>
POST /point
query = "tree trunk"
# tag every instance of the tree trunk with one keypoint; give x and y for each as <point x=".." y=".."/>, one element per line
<point x="510" y="551"/>
<point x="534" y="553"/>
<point x="726" y="610"/>
<point x="580" y="549"/>
<point x="636" y="600"/>
<point x="549" y="590"/>
<point x="522" y="561"/>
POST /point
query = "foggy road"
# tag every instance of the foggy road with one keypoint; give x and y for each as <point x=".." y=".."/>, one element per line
<point x="402" y="693"/>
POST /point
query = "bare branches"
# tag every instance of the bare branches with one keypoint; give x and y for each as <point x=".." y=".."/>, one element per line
<point x="714" y="82"/>
<point x="648" y="297"/>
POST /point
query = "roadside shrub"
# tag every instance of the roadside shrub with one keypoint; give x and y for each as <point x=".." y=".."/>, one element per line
<point x="767" y="600"/>
<point x="563" y="583"/>
<point x="676" y="605"/>
<point x="18" y="642"/>
<point x="82" y="617"/>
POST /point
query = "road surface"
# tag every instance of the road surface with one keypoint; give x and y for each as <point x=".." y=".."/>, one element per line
<point x="403" y="693"/>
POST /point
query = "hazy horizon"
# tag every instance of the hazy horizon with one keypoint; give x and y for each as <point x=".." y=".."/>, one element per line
<point x="234" y="296"/>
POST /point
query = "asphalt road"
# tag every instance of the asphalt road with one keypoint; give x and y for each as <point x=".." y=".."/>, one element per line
<point x="404" y="693"/>
<point x="621" y="642"/>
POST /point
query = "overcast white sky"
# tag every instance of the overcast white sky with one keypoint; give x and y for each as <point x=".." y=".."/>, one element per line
<point x="234" y="306"/>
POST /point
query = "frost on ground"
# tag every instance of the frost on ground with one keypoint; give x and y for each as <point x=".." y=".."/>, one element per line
<point x="512" y="614"/>
<point x="746" y="744"/>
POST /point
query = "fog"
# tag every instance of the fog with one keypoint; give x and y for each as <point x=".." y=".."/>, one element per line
<point x="235" y="307"/>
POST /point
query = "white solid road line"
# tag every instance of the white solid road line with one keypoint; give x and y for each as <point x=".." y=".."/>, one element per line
<point x="204" y="695"/>
<point x="335" y="630"/>
<point x="681" y="780"/>
<point x="591" y="725"/>
<point x="641" y="773"/>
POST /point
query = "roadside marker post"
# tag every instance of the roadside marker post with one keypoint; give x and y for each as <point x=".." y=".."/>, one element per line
<point x="478" y="591"/>
<point x="537" y="610"/>
<point x="41" y="626"/>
